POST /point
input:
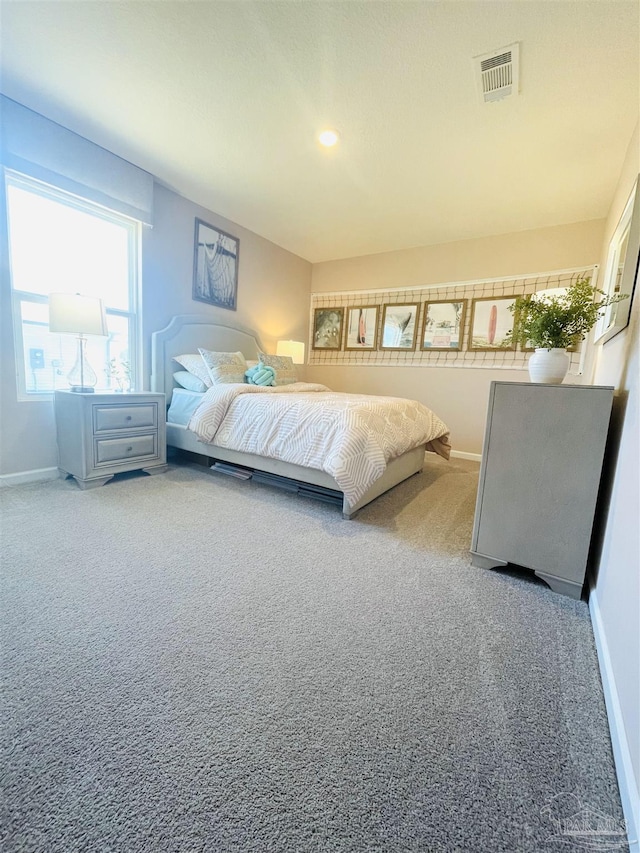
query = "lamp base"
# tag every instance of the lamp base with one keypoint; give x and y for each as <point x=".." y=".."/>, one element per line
<point x="82" y="377"/>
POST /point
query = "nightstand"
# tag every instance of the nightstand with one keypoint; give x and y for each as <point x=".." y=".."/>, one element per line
<point x="100" y="435"/>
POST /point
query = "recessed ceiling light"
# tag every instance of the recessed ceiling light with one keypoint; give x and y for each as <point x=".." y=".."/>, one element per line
<point x="328" y="138"/>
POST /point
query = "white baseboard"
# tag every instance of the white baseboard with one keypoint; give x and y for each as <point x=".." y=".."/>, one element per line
<point x="628" y="784"/>
<point x="461" y="454"/>
<point x="39" y="475"/>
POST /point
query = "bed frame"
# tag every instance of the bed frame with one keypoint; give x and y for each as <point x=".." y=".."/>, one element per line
<point x="184" y="334"/>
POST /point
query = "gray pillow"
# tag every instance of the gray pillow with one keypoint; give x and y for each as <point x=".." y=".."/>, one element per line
<point x="283" y="366"/>
<point x="224" y="367"/>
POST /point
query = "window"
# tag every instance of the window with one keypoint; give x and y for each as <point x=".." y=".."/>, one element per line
<point x="61" y="243"/>
<point x="621" y="270"/>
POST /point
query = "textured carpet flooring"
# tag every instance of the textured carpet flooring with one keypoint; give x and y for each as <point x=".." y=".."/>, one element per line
<point x="195" y="663"/>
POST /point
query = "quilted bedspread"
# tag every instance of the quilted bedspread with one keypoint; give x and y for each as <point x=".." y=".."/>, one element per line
<point x="349" y="436"/>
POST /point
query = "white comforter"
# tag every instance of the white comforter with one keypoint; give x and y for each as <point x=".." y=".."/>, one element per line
<point x="349" y="436"/>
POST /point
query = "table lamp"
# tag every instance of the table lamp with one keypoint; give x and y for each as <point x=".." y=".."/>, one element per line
<point x="294" y="349"/>
<point x="71" y="313"/>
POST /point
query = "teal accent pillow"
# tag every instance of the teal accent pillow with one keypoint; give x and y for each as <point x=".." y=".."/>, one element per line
<point x="260" y="375"/>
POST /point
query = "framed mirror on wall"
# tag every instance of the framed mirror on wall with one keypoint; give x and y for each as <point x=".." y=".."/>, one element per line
<point x="621" y="270"/>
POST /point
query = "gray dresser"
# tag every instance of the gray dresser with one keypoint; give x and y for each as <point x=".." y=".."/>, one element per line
<point x="541" y="466"/>
<point x="100" y="435"/>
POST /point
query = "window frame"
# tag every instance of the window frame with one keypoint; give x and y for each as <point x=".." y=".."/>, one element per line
<point x="621" y="277"/>
<point x="132" y="315"/>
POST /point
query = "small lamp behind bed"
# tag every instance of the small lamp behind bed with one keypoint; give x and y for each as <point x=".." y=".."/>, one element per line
<point x="294" y="349"/>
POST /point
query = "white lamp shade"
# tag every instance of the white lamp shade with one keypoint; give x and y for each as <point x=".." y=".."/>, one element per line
<point x="71" y="313"/>
<point x="294" y="349"/>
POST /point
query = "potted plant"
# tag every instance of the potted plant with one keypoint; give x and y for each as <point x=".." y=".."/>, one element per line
<point x="120" y="371"/>
<point x="551" y="324"/>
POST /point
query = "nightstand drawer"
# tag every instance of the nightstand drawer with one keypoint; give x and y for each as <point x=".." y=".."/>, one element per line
<point x="127" y="448"/>
<point x="109" y="418"/>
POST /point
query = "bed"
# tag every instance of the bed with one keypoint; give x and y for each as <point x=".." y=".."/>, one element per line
<point x="188" y="333"/>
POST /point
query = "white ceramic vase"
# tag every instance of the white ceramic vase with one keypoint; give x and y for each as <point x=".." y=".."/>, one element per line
<point x="549" y="365"/>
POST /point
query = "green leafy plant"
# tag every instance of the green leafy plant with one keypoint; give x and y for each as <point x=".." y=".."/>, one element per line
<point x="559" y="321"/>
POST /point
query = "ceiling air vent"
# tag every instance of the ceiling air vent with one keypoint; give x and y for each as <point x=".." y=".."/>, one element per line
<point x="498" y="73"/>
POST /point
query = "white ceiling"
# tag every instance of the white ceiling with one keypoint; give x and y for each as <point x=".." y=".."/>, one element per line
<point x="222" y="102"/>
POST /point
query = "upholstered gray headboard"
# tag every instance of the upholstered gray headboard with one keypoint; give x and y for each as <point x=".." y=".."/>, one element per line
<point x="184" y="334"/>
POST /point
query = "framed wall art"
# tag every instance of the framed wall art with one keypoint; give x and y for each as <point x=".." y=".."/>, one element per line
<point x="443" y="325"/>
<point x="362" y="327"/>
<point x="491" y="323"/>
<point x="621" y="271"/>
<point x="215" y="266"/>
<point x="399" y="326"/>
<point x="327" y="328"/>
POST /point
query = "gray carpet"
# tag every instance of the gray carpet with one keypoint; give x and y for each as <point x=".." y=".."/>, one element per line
<point x="195" y="663"/>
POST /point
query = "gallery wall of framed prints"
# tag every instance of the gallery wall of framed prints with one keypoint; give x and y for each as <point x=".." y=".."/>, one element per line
<point x="461" y="324"/>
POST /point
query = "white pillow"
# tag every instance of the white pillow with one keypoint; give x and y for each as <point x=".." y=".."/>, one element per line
<point x="224" y="367"/>
<point x="189" y="381"/>
<point x="284" y="368"/>
<point x="193" y="363"/>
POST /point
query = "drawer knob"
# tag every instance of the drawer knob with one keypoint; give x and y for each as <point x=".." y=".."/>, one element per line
<point x="129" y="449"/>
<point x="128" y="418"/>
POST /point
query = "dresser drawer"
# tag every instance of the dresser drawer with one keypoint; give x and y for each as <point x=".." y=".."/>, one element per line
<point x="109" y="418"/>
<point x="109" y="450"/>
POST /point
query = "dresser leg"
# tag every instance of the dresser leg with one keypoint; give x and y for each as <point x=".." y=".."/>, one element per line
<point x="482" y="562"/>
<point x="570" y="588"/>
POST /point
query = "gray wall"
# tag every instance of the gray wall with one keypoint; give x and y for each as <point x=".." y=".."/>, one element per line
<point x="273" y="289"/>
<point x="273" y="299"/>
<point x="615" y="602"/>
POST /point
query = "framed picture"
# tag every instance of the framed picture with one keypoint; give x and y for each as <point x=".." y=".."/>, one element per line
<point x="491" y="322"/>
<point x="399" y="326"/>
<point x="621" y="271"/>
<point x="215" y="266"/>
<point x="362" y="327"/>
<point x="443" y="325"/>
<point x="327" y="328"/>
